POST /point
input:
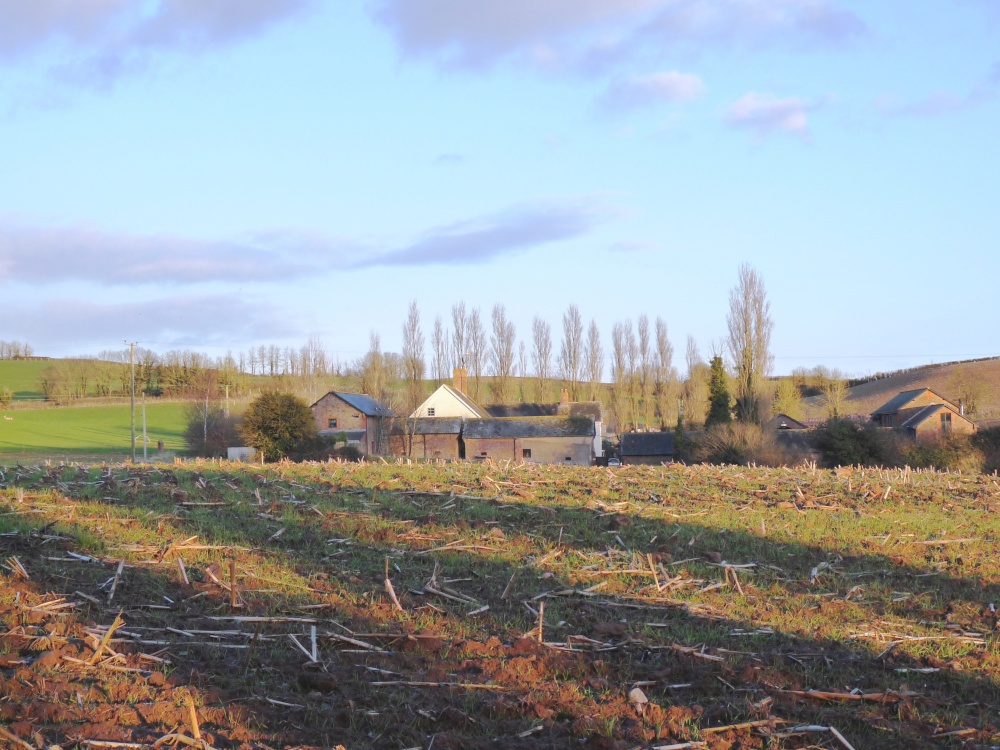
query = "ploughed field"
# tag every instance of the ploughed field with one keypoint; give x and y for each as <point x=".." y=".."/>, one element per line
<point x="493" y="606"/>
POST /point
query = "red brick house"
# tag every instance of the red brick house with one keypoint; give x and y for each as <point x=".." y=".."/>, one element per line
<point x="923" y="414"/>
<point x="365" y="420"/>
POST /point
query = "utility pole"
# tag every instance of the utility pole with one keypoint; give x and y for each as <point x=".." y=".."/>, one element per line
<point x="145" y="440"/>
<point x="131" y="358"/>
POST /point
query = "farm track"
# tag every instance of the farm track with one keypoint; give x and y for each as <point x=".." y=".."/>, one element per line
<point x="465" y="606"/>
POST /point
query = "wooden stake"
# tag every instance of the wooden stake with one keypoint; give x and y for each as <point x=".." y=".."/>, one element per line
<point x="107" y="637"/>
<point x="194" y="719"/>
<point x="510" y="585"/>
<point x="233" y="596"/>
<point x="114" y="583"/>
<point x="840" y="738"/>
<point x="541" y="620"/>
<point x="184" y="575"/>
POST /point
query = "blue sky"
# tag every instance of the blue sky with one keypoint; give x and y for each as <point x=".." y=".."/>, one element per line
<point x="216" y="174"/>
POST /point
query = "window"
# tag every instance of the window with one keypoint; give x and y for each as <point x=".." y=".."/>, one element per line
<point x="526" y="453"/>
<point x="331" y="424"/>
<point x="569" y="458"/>
<point x="483" y="453"/>
<point x="430" y="411"/>
<point x="946" y="423"/>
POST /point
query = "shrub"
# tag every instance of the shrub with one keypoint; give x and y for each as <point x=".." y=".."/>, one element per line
<point x="841" y="442"/>
<point x="955" y="453"/>
<point x="210" y="431"/>
<point x="6" y="396"/>
<point x="743" y="443"/>
<point x="279" y="425"/>
<point x="988" y="443"/>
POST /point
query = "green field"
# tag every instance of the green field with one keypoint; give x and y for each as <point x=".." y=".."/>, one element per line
<point x="23" y="378"/>
<point x="95" y="430"/>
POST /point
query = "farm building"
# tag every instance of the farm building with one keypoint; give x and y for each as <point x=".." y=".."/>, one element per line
<point x="647" y="447"/>
<point x="434" y="437"/>
<point x="781" y="422"/>
<point x="922" y="414"/>
<point x="365" y="421"/>
<point x="450" y="401"/>
<point x="542" y="440"/>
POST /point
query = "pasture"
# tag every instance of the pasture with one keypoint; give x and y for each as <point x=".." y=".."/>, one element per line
<point x="480" y="606"/>
<point x="70" y="432"/>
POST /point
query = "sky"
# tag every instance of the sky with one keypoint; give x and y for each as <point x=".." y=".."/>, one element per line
<point x="219" y="174"/>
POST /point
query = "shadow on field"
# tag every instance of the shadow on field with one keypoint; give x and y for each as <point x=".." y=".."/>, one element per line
<point x="315" y="549"/>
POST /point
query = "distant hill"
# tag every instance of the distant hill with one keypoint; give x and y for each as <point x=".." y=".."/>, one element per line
<point x="976" y="384"/>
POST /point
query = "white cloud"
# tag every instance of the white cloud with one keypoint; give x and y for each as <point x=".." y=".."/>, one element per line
<point x="99" y="40"/>
<point x="764" y="114"/>
<point x="638" y="91"/>
<point x="600" y="33"/>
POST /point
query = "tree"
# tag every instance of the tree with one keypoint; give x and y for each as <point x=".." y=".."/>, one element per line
<point x="594" y="355"/>
<point x="476" y="349"/>
<point x="413" y="358"/>
<point x="621" y="375"/>
<point x="373" y="376"/>
<point x="664" y="376"/>
<point x="541" y="356"/>
<point x="459" y="328"/>
<point x="835" y="393"/>
<point x="788" y="398"/>
<point x="644" y="372"/>
<point x="749" y="343"/>
<point x="571" y="353"/>
<point x="439" y="348"/>
<point x="696" y="386"/>
<point x="278" y="425"/>
<point x="210" y="432"/>
<point x="502" y="354"/>
<point x="718" y="394"/>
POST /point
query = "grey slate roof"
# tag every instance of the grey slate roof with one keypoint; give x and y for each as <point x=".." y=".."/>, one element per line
<point x="432" y="426"/>
<point x="365" y="404"/>
<point x="922" y="414"/>
<point x="647" y="444"/>
<point x="522" y="410"/>
<point x="898" y="402"/>
<point x="528" y="427"/>
<point x="592" y="409"/>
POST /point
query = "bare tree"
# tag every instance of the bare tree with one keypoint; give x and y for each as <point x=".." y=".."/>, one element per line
<point x="502" y="354"/>
<point x="439" y="346"/>
<point x="645" y="373"/>
<point x="413" y="357"/>
<point x="594" y="354"/>
<point x="835" y="393"/>
<point x="571" y="353"/>
<point x="522" y="371"/>
<point x="664" y="376"/>
<point x="541" y="356"/>
<point x="459" y="334"/>
<point x="373" y="379"/>
<point x="632" y="375"/>
<point x="788" y="398"/>
<point x="619" y="378"/>
<point x="749" y="343"/>
<point x="477" y="343"/>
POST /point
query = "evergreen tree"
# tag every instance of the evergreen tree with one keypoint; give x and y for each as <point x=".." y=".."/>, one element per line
<point x="718" y="395"/>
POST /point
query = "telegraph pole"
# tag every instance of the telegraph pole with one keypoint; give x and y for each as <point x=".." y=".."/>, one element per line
<point x="131" y="358"/>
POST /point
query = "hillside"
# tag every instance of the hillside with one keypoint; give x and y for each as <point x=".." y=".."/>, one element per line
<point x="976" y="384"/>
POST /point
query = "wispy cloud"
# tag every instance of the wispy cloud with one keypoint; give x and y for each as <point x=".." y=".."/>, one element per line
<point x="766" y="114"/>
<point x="46" y="255"/>
<point x="182" y="321"/>
<point x="940" y="103"/>
<point x="638" y="91"/>
<point x="100" y="40"/>
<point x="511" y="231"/>
<point x="634" y="246"/>
<point x="598" y="33"/>
<point x="39" y="255"/>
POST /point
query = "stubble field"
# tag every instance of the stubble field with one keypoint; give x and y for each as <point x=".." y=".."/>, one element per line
<point x="493" y="606"/>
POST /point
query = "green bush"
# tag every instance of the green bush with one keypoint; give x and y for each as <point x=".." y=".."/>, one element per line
<point x="841" y="442"/>
<point x="955" y="453"/>
<point x="6" y="396"/>
<point x="279" y="425"/>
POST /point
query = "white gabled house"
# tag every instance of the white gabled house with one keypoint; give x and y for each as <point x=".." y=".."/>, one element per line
<point x="450" y="401"/>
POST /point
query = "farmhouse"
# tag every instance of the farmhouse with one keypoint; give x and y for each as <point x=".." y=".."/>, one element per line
<point x="541" y="440"/>
<point x="450" y="401"/>
<point x="364" y="420"/>
<point x="923" y="414"/>
<point x="647" y="447"/>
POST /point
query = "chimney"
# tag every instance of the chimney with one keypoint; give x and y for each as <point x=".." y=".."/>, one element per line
<point x="961" y="408"/>
<point x="564" y="396"/>
<point x="458" y="379"/>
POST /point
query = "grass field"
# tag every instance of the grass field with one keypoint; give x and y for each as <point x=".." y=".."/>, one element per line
<point x="483" y="606"/>
<point x="23" y="378"/>
<point x="94" y="430"/>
